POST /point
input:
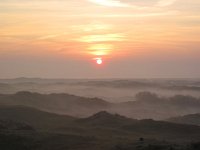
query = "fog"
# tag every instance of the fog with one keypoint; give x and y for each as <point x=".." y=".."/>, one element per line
<point x="135" y="98"/>
<point x="111" y="90"/>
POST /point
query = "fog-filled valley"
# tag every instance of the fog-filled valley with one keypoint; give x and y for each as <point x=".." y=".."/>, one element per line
<point x="145" y="106"/>
<point x="106" y="114"/>
<point x="112" y="90"/>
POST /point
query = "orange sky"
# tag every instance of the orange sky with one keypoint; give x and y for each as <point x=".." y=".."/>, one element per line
<point x="130" y="32"/>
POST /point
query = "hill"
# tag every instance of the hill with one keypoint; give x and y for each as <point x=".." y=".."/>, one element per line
<point x="10" y="125"/>
<point x="34" y="117"/>
<point x="105" y="119"/>
<point x="57" y="103"/>
<point x="101" y="124"/>
<point x="148" y="128"/>
<point x="102" y="130"/>
<point x="149" y="105"/>
<point x="193" y="119"/>
<point x="146" y="105"/>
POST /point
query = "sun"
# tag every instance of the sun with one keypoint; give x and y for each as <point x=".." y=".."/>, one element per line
<point x="99" y="61"/>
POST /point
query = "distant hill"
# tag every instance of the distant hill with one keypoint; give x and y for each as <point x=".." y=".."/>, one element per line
<point x="166" y="84"/>
<point x="193" y="119"/>
<point x="34" y="117"/>
<point x="6" y="88"/>
<point x="146" y="105"/>
<point x="149" y="105"/>
<point x="59" y="103"/>
<point x="120" y="83"/>
<point x="33" y="80"/>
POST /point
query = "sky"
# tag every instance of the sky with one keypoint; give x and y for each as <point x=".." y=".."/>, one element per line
<point x="132" y="38"/>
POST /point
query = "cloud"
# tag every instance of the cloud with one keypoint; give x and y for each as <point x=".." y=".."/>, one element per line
<point x="133" y="3"/>
<point x="110" y="3"/>
<point x="164" y="3"/>
<point x="94" y="26"/>
<point x="102" y="38"/>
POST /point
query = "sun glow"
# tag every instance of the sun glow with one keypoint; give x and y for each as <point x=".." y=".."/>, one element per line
<point x="100" y="49"/>
<point x="102" y="38"/>
<point x="99" y="61"/>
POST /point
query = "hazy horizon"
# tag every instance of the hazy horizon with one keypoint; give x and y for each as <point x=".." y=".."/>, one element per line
<point x="103" y="78"/>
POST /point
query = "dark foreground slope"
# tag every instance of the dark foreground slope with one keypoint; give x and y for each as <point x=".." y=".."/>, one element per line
<point x="26" y="128"/>
<point x="116" y="125"/>
<point x="99" y="124"/>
